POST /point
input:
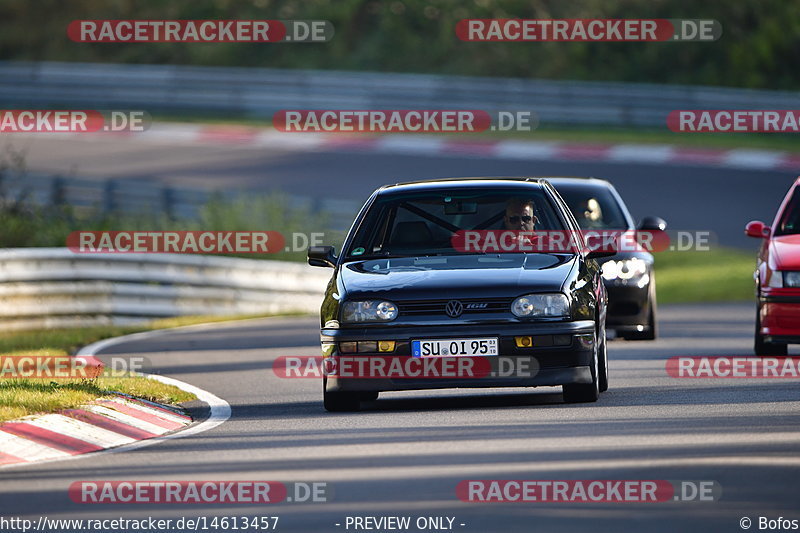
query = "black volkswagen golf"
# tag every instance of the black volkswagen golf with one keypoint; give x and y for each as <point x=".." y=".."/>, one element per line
<point x="421" y="280"/>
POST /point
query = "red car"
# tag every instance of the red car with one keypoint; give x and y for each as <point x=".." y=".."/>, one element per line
<point x="778" y="277"/>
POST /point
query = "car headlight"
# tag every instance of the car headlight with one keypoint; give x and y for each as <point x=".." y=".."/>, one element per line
<point x="791" y="279"/>
<point x="369" y="311"/>
<point x="625" y="269"/>
<point x="540" y="306"/>
<point x="775" y="279"/>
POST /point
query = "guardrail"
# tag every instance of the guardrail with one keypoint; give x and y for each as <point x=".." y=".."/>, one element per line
<point x="55" y="287"/>
<point x="148" y="196"/>
<point x="259" y="92"/>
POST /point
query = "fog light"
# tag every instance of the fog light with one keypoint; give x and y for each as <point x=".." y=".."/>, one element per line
<point x="523" y="342"/>
<point x="385" y="346"/>
<point x="585" y="341"/>
<point x="348" y="347"/>
<point x="367" y="346"/>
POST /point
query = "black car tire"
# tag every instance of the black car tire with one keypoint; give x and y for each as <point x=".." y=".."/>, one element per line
<point x="651" y="330"/>
<point x="766" y="348"/>
<point x="603" y="363"/>
<point x="338" y="402"/>
<point x="587" y="392"/>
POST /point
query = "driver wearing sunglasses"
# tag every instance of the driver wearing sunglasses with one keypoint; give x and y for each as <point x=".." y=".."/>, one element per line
<point x="520" y="215"/>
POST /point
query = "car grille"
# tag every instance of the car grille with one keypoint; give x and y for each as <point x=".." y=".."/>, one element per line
<point x="472" y="306"/>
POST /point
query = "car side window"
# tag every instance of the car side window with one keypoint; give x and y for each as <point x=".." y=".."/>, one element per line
<point x="790" y="222"/>
<point x="568" y="216"/>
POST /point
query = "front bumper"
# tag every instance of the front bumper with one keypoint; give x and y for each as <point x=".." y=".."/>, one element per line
<point x="560" y="355"/>
<point x="628" y="306"/>
<point x="780" y="318"/>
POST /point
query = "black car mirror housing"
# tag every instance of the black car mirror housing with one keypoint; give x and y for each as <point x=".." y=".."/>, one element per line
<point x="599" y="254"/>
<point x="653" y="224"/>
<point x="321" y="256"/>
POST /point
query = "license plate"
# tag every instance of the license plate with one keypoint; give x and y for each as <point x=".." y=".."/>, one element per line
<point x="454" y="347"/>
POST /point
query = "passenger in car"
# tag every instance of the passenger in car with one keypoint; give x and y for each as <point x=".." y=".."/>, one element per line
<point x="591" y="214"/>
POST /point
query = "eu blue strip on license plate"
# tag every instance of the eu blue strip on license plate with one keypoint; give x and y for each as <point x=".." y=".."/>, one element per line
<point x="454" y="347"/>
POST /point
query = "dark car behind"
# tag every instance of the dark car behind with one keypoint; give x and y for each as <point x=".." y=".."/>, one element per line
<point x="629" y="275"/>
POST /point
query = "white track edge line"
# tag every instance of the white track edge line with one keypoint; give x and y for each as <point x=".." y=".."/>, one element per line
<point x="92" y="349"/>
<point x="220" y="409"/>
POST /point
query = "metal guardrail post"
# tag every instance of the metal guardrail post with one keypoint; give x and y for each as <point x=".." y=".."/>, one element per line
<point x="58" y="194"/>
<point x="109" y="199"/>
<point x="168" y="202"/>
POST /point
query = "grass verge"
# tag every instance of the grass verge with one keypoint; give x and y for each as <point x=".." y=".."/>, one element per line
<point x="719" y="275"/>
<point x="22" y="397"/>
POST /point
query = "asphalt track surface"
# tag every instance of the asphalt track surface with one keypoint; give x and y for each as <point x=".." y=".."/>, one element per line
<point x="404" y="454"/>
<point x="690" y="198"/>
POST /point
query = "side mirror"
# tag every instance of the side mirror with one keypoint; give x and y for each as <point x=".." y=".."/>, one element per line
<point x="606" y="249"/>
<point x="321" y="256"/>
<point x="757" y="229"/>
<point x="599" y="254"/>
<point x="653" y="224"/>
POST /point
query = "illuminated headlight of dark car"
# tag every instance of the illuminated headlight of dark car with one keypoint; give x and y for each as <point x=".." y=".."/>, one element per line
<point x="541" y="306"/>
<point x="791" y="279"/>
<point x="633" y="270"/>
<point x="369" y="311"/>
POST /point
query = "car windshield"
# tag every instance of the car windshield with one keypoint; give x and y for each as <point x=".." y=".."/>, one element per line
<point x="594" y="208"/>
<point x="790" y="221"/>
<point x="424" y="223"/>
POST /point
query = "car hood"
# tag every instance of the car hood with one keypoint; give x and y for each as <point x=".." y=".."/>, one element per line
<point x="786" y="251"/>
<point x="503" y="275"/>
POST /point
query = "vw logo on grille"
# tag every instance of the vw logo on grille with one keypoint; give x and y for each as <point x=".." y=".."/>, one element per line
<point x="454" y="308"/>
